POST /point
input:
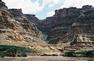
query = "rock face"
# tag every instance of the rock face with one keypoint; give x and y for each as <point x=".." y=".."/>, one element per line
<point x="32" y="18"/>
<point x="2" y="5"/>
<point x="18" y="29"/>
<point x="70" y="25"/>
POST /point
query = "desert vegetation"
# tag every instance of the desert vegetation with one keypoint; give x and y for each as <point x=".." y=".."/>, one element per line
<point x="84" y="53"/>
<point x="13" y="51"/>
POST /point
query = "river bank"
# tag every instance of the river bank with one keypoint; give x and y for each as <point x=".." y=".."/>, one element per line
<point x="46" y="58"/>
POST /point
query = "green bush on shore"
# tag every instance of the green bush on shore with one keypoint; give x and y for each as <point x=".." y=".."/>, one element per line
<point x="89" y="53"/>
<point x="13" y="51"/>
<point x="69" y="54"/>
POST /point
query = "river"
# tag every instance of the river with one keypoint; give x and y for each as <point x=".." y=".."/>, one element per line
<point x="46" y="58"/>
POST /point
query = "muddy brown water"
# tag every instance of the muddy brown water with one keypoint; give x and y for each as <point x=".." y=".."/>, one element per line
<point x="46" y="58"/>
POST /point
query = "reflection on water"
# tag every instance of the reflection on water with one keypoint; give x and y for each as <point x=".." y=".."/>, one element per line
<point x="46" y="58"/>
<point x="86" y="59"/>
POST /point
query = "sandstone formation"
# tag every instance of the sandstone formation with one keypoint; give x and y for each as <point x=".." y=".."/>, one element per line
<point x="17" y="29"/>
<point x="72" y="26"/>
<point x="69" y="27"/>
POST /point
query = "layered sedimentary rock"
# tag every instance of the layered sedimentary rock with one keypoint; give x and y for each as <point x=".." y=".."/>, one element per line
<point x="68" y="27"/>
<point x="18" y="30"/>
<point x="73" y="25"/>
<point x="32" y="18"/>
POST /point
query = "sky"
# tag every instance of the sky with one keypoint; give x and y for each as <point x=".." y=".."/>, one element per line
<point x="45" y="8"/>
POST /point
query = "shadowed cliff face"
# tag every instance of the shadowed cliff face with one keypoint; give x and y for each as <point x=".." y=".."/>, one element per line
<point x="68" y="24"/>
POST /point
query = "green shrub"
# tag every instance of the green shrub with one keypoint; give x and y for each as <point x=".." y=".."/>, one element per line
<point x="86" y="53"/>
<point x="69" y="54"/>
<point x="6" y="50"/>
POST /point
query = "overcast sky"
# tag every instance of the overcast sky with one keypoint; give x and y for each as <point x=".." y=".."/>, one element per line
<point x="45" y="8"/>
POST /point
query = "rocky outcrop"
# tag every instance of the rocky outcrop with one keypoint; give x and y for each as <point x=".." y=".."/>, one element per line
<point x="17" y="29"/>
<point x="69" y="24"/>
<point x="32" y="18"/>
<point x="2" y="5"/>
<point x="68" y="27"/>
